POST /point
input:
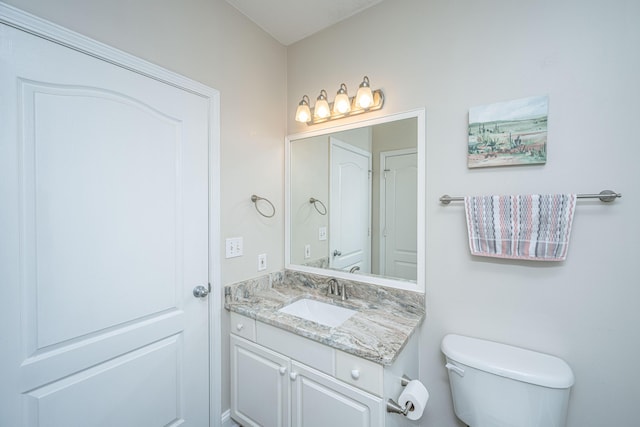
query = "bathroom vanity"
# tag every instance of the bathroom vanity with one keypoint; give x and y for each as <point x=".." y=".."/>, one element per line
<point x="289" y="368"/>
<point x="288" y="371"/>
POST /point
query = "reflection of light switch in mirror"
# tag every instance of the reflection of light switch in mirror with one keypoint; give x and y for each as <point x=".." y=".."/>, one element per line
<point x="322" y="233"/>
<point x="307" y="251"/>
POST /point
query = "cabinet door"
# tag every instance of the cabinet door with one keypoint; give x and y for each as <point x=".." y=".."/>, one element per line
<point x="259" y="385"/>
<point x="319" y="400"/>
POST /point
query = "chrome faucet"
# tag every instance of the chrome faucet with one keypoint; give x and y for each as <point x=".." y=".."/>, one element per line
<point x="332" y="287"/>
<point x="336" y="288"/>
<point x="354" y="269"/>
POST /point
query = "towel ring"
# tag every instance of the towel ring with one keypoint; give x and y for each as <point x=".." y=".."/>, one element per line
<point x="255" y="200"/>
<point x="315" y="203"/>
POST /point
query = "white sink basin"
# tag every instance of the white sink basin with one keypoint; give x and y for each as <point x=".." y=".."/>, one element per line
<point x="317" y="311"/>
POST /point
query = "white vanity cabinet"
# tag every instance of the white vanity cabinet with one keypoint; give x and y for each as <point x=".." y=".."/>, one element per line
<point x="279" y="379"/>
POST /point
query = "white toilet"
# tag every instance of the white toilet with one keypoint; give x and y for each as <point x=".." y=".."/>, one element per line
<point x="497" y="385"/>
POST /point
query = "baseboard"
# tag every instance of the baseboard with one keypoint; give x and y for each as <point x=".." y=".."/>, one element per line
<point x="226" y="419"/>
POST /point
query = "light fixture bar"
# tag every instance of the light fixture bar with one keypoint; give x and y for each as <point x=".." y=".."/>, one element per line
<point x="378" y="102"/>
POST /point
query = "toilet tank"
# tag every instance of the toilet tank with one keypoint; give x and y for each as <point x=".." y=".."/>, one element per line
<point x="498" y="385"/>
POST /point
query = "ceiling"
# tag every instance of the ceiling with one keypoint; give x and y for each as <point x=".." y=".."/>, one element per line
<point x="289" y="21"/>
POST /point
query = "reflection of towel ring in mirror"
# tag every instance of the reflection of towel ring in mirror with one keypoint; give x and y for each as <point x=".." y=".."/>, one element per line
<point x="315" y="203"/>
<point x="255" y="200"/>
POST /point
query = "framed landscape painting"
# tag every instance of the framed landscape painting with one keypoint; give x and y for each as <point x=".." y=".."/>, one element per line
<point x="508" y="133"/>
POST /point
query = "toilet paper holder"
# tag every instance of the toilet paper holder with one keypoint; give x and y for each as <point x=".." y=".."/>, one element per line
<point x="393" y="406"/>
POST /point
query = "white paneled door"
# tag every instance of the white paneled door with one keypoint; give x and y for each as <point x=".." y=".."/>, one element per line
<point x="103" y="237"/>
<point x="398" y="214"/>
<point x="349" y="207"/>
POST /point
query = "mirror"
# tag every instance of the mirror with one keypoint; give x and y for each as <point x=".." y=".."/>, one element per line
<point x="354" y="196"/>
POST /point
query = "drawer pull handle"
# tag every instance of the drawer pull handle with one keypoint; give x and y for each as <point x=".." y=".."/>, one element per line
<point x="355" y="374"/>
<point x="293" y="376"/>
<point x="239" y="326"/>
<point x="283" y="370"/>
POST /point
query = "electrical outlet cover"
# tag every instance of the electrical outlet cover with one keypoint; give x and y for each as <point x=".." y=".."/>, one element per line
<point x="262" y="262"/>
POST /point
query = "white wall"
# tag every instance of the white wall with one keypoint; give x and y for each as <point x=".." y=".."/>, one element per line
<point x="452" y="55"/>
<point x="209" y="41"/>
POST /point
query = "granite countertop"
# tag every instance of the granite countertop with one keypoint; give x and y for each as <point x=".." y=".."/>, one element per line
<point x="386" y="318"/>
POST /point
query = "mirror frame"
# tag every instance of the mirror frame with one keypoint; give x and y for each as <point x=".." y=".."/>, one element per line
<point x="419" y="285"/>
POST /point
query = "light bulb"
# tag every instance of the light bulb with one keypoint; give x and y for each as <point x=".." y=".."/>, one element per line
<point x="303" y="113"/>
<point x="321" y="109"/>
<point x="342" y="104"/>
<point x="364" y="97"/>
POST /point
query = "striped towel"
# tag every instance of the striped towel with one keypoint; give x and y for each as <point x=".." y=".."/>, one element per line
<point x="533" y="227"/>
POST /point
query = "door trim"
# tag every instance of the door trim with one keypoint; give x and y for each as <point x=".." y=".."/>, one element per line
<point x="39" y="27"/>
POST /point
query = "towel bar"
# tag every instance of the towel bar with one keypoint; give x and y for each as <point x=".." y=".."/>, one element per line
<point x="255" y="199"/>
<point x="604" y="196"/>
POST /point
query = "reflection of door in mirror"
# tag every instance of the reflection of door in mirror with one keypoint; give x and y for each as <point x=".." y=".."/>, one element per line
<point x="396" y="259"/>
<point x="350" y="207"/>
<point x="398" y="219"/>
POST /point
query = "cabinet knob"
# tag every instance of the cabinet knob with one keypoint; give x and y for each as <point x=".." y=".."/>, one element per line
<point x="355" y="374"/>
<point x="283" y="370"/>
<point x="293" y="376"/>
<point x="239" y="326"/>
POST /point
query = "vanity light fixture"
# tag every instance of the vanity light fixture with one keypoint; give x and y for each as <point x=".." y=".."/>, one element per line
<point x="343" y="106"/>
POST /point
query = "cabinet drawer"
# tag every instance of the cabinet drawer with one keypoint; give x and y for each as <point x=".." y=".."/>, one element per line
<point x="359" y="372"/>
<point x="242" y="326"/>
<point x="311" y="353"/>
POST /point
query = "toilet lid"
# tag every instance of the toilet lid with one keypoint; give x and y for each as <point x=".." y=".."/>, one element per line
<point x="508" y="361"/>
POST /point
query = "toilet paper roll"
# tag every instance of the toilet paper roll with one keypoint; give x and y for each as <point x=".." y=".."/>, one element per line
<point x="416" y="394"/>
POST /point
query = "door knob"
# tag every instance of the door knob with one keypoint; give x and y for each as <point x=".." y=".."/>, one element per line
<point x="337" y="253"/>
<point x="201" y="291"/>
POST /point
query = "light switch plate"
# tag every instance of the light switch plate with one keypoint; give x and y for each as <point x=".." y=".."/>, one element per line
<point x="307" y="251"/>
<point x="262" y="262"/>
<point x="233" y="246"/>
